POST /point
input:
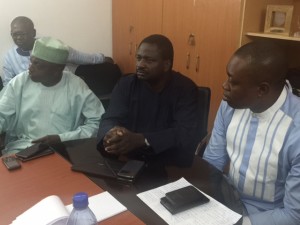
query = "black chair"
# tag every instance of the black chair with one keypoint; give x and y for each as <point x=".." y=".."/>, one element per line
<point x="1" y="84"/>
<point x="293" y="76"/>
<point x="204" y="103"/>
<point x="101" y="79"/>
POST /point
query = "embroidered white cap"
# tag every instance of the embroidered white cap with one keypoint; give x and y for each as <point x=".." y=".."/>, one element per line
<point x="51" y="50"/>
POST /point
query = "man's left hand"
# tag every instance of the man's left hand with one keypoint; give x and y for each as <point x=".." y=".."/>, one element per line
<point x="49" y="140"/>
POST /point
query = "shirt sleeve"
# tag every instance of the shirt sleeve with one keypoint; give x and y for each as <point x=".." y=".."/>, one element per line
<point x="117" y="110"/>
<point x="91" y="110"/>
<point x="289" y="214"/>
<point x="8" y="72"/>
<point x="216" y="152"/>
<point x="81" y="58"/>
<point x="8" y="107"/>
<point x="183" y="134"/>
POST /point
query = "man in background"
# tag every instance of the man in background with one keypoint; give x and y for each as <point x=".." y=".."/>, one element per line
<point x="153" y="114"/>
<point x="257" y="131"/>
<point x="46" y="104"/>
<point x="17" y="59"/>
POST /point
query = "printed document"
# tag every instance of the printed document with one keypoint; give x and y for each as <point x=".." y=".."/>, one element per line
<point x="211" y="213"/>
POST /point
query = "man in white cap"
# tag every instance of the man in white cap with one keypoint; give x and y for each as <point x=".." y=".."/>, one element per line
<point x="46" y="104"/>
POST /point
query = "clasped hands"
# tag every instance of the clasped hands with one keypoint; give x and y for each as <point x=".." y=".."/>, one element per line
<point x="120" y="140"/>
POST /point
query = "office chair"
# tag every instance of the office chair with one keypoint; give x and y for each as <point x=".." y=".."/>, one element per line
<point x="1" y="84"/>
<point x="101" y="79"/>
<point x="293" y="76"/>
<point x="204" y="103"/>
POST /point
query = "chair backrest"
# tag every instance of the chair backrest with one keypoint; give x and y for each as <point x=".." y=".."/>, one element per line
<point x="293" y="76"/>
<point x="1" y="84"/>
<point x="101" y="79"/>
<point x="204" y="103"/>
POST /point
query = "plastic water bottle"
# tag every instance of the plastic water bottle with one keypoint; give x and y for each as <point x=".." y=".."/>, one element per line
<point x="81" y="213"/>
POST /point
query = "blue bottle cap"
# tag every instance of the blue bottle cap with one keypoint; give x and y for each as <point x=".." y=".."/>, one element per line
<point x="80" y="200"/>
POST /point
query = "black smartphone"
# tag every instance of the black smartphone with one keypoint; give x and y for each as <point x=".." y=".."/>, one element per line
<point x="32" y="150"/>
<point x="183" y="199"/>
<point x="130" y="170"/>
<point x="11" y="162"/>
<point x="45" y="152"/>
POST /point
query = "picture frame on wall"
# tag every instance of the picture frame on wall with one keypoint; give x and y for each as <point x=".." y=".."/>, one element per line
<point x="278" y="19"/>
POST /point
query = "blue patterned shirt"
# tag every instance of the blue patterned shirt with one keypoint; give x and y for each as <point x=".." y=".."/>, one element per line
<point x="264" y="154"/>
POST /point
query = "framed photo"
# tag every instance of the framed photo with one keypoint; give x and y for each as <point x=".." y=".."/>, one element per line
<point x="278" y="19"/>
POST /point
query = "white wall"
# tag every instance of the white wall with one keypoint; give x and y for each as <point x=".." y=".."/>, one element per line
<point x="85" y="25"/>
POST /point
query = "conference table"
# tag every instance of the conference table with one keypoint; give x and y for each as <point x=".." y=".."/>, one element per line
<point x="52" y="175"/>
<point x="37" y="179"/>
<point x="201" y="174"/>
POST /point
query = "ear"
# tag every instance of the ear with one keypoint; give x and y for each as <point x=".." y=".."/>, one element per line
<point x="34" y="33"/>
<point x="167" y="65"/>
<point x="263" y="89"/>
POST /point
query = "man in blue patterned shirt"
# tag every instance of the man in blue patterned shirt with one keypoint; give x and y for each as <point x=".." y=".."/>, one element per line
<point x="257" y="131"/>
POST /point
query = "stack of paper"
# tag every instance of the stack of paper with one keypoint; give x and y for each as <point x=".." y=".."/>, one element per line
<point x="51" y="210"/>
<point x="212" y="213"/>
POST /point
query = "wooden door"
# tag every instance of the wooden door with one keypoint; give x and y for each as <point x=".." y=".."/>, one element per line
<point x="133" y="20"/>
<point x="123" y="34"/>
<point x="179" y="26"/>
<point x="148" y="18"/>
<point x="217" y="37"/>
<point x="204" y="34"/>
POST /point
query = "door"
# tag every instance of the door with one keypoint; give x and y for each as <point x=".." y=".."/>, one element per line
<point x="133" y="20"/>
<point x="204" y="34"/>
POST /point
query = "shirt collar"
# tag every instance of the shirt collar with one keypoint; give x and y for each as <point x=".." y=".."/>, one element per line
<point x="22" y="52"/>
<point x="274" y="108"/>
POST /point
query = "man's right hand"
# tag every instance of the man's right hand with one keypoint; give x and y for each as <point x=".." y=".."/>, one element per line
<point x="49" y="140"/>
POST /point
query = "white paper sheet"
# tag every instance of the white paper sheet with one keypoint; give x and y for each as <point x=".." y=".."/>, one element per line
<point x="103" y="205"/>
<point x="211" y="213"/>
<point x="51" y="210"/>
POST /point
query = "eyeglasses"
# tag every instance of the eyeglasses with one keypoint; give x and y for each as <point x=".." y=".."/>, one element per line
<point x="15" y="35"/>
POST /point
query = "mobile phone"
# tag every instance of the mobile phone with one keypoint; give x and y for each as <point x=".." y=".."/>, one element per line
<point x="131" y="170"/>
<point x="32" y="150"/>
<point x="45" y="152"/>
<point x="11" y="162"/>
<point x="183" y="199"/>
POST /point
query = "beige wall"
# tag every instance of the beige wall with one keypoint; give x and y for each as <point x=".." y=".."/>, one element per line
<point x="83" y="24"/>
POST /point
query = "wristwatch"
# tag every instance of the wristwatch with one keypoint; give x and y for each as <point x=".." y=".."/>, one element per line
<point x="147" y="143"/>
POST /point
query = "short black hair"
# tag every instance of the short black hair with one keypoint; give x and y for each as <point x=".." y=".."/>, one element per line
<point x="266" y="59"/>
<point x="164" y="45"/>
<point x="24" y="20"/>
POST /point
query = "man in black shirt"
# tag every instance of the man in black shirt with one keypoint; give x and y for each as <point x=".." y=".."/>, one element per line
<point x="153" y="114"/>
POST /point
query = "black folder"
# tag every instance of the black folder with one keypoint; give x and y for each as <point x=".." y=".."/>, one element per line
<point x="106" y="168"/>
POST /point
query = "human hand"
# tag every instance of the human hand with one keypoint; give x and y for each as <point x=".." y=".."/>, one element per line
<point x="49" y="140"/>
<point x="119" y="141"/>
<point x="108" y="59"/>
